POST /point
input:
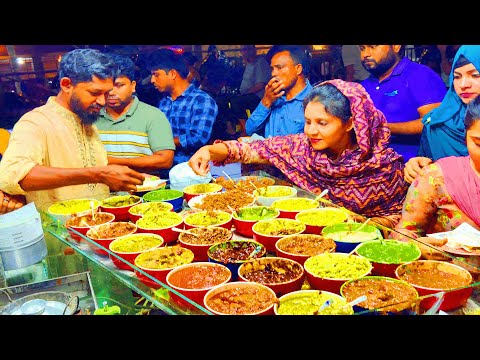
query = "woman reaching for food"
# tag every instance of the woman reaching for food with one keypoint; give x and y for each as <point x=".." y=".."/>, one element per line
<point x="344" y="148"/>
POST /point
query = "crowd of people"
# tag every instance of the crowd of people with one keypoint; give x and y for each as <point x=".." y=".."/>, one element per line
<point x="388" y="144"/>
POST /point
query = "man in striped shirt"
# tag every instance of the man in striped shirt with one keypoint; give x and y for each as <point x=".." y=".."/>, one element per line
<point x="134" y="133"/>
<point x="190" y="111"/>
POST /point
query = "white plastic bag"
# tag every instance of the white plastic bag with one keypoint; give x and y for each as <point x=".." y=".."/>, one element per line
<point x="182" y="175"/>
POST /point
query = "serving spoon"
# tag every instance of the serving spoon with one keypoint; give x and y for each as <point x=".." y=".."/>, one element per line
<point x="92" y="206"/>
<point x="234" y="212"/>
<point x="258" y="189"/>
<point x="229" y="178"/>
<point x="322" y="194"/>
<point x="255" y="251"/>
<point x="362" y="226"/>
<point x="92" y="229"/>
<point x="184" y="231"/>
<point x="351" y="303"/>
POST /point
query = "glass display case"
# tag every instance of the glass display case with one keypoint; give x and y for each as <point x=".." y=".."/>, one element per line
<point x="124" y="288"/>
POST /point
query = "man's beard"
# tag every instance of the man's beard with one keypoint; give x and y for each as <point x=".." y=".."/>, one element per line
<point x="382" y="67"/>
<point x="86" y="117"/>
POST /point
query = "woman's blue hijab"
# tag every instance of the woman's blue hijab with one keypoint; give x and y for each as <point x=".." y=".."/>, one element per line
<point x="443" y="128"/>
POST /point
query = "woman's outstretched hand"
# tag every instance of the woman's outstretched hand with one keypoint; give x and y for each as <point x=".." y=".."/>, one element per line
<point x="200" y="161"/>
<point x="414" y="167"/>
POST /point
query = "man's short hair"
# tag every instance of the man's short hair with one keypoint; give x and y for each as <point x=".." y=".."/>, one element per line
<point x="80" y="65"/>
<point x="126" y="66"/>
<point x="299" y="54"/>
<point x="166" y="59"/>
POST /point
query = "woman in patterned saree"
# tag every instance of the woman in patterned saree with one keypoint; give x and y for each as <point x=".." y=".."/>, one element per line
<point x="344" y="148"/>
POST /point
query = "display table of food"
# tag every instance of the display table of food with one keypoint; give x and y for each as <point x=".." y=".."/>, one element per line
<point x="155" y="253"/>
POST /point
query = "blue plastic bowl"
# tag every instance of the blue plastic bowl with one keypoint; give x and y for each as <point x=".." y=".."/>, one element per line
<point x="174" y="197"/>
<point x="348" y="246"/>
<point x="233" y="265"/>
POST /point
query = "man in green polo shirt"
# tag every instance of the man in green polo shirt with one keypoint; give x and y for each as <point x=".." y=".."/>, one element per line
<point x="134" y="133"/>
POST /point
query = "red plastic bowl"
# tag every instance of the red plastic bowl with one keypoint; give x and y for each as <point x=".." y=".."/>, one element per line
<point x="298" y="203"/>
<point x="300" y="247"/>
<point x="244" y="227"/>
<point x="120" y="212"/>
<point x="311" y="302"/>
<point x="137" y="211"/>
<point x="161" y="269"/>
<point x="240" y="298"/>
<point x="130" y="256"/>
<point x="323" y="217"/>
<point x="208" y="237"/>
<point x="100" y="218"/>
<point x="321" y="270"/>
<point x="420" y="273"/>
<point x="194" y="280"/>
<point x="127" y="227"/>
<point x="384" y="295"/>
<point x="397" y="253"/>
<point x="166" y="232"/>
<point x="190" y="224"/>
<point x="269" y="240"/>
<point x="191" y="191"/>
<point x="251" y="270"/>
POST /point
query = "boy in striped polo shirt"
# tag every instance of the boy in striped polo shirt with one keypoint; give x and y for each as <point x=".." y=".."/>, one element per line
<point x="134" y="133"/>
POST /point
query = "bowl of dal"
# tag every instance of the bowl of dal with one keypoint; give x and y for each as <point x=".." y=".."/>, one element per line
<point x="330" y="270"/>
<point x="161" y="224"/>
<point x="316" y="219"/>
<point x="208" y="218"/>
<point x="268" y="232"/>
<point x="290" y="207"/>
<point x="64" y="210"/>
<point x="312" y="302"/>
<point x="128" y="247"/>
